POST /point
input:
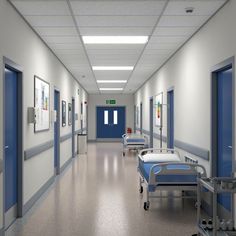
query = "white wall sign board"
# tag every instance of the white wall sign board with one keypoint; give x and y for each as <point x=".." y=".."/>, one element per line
<point x="41" y="103"/>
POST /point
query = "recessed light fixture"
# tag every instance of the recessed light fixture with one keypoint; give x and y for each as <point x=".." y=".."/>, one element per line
<point x="189" y="10"/>
<point x="115" y="39"/>
<point x="112" y="81"/>
<point x="113" y="67"/>
<point x="111" y="89"/>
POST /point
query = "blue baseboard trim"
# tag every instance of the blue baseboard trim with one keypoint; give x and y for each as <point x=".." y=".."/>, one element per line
<point x="65" y="165"/>
<point x="38" y="194"/>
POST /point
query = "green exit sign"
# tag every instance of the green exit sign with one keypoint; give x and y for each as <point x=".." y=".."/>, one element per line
<point x="112" y="102"/>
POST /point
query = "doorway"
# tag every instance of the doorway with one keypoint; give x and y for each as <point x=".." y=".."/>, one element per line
<point x="57" y="132"/>
<point x="73" y="128"/>
<point x="110" y="122"/>
<point x="141" y="118"/>
<point x="170" y="119"/>
<point x="151" y="122"/>
<point x="222" y="129"/>
<point x="13" y="143"/>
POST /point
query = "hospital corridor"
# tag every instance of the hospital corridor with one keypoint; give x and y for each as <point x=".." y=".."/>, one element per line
<point x="117" y="118"/>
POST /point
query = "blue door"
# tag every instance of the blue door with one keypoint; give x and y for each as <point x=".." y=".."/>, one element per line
<point x="151" y="122"/>
<point x="170" y="119"/>
<point x="224" y="157"/>
<point x="110" y="122"/>
<point x="11" y="145"/>
<point x="73" y="127"/>
<point x="57" y="131"/>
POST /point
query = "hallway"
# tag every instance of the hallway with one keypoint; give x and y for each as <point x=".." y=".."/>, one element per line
<point x="98" y="195"/>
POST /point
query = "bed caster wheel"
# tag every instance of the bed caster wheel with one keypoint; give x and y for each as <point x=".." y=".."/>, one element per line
<point x="146" y="206"/>
<point x="123" y="154"/>
<point x="141" y="189"/>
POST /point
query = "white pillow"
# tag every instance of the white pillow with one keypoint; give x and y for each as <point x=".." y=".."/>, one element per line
<point x="160" y="157"/>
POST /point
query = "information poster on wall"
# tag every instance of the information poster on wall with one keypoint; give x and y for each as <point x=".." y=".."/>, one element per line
<point x="158" y="109"/>
<point x="41" y="104"/>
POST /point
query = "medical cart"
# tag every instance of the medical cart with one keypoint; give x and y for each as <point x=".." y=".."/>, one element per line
<point x="216" y="186"/>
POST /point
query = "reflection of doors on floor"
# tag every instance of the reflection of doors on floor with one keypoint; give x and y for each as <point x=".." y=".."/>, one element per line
<point x="110" y="122"/>
<point x="224" y="128"/>
<point x="11" y="146"/>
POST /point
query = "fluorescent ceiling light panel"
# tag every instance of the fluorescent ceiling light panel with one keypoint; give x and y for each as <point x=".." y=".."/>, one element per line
<point x="115" y="39"/>
<point x="110" y="89"/>
<point x="112" y="81"/>
<point x="113" y="67"/>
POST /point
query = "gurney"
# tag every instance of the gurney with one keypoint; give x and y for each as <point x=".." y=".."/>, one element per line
<point x="134" y="142"/>
<point x="162" y="169"/>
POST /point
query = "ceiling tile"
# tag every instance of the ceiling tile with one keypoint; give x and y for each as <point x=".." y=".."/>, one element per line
<point x="167" y="39"/>
<point x="56" y="31"/>
<point x="50" y="21"/>
<point x="42" y="7"/>
<point x="117" y="7"/>
<point x="174" y="31"/>
<point x="116" y="21"/>
<point x="65" y="46"/>
<point x="61" y="39"/>
<point x="200" y="7"/>
<point x="178" y="21"/>
<point x="115" y="31"/>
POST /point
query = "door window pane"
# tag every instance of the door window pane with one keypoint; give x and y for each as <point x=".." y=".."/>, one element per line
<point x="115" y="117"/>
<point x="105" y="117"/>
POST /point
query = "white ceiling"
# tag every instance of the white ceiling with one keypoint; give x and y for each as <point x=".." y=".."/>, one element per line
<point x="62" y="23"/>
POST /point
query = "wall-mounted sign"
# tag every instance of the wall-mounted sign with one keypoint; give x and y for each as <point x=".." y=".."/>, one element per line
<point x="112" y="101"/>
<point x="41" y="104"/>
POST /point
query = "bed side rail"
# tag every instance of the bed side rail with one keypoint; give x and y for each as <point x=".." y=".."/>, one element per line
<point x="158" y="150"/>
<point x="172" y="169"/>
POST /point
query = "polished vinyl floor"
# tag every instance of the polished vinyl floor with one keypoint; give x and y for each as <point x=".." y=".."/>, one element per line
<point x="97" y="195"/>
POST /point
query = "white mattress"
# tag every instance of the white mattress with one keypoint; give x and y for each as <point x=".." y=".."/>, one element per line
<point x="160" y="157"/>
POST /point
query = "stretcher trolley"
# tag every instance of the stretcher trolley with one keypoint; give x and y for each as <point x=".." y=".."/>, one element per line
<point x="162" y="169"/>
<point x="134" y="142"/>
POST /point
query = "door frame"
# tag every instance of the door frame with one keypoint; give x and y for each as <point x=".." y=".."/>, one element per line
<point x="73" y="127"/>
<point x="141" y="118"/>
<point x="58" y="133"/>
<point x="135" y="118"/>
<point x="107" y="139"/>
<point x="172" y="89"/>
<point x="151" y="122"/>
<point x="228" y="63"/>
<point x="18" y="69"/>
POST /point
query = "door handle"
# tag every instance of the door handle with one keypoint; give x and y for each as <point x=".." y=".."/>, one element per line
<point x="6" y="147"/>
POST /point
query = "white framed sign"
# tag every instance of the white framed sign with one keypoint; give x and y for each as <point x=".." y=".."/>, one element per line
<point x="41" y="104"/>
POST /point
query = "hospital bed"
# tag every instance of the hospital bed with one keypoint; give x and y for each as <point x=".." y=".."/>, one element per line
<point x="134" y="142"/>
<point x="162" y="169"/>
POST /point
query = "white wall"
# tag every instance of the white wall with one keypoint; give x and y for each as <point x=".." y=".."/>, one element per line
<point x="21" y="45"/>
<point x="100" y="100"/>
<point x="189" y="71"/>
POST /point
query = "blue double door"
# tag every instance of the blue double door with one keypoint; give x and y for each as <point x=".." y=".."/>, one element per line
<point x="110" y="122"/>
<point x="11" y="145"/>
<point x="224" y="131"/>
